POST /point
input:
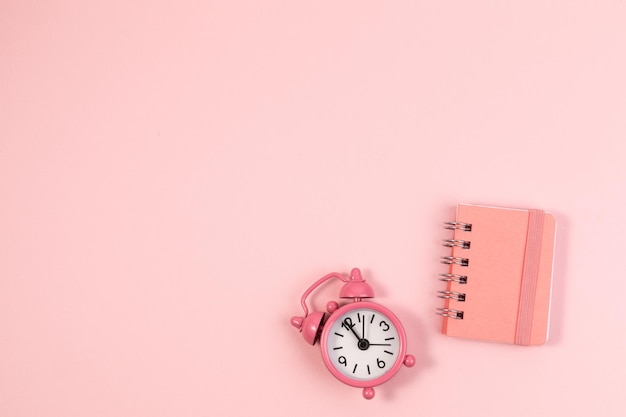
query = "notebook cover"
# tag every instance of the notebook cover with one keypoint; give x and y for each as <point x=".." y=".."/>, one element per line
<point x="494" y="272"/>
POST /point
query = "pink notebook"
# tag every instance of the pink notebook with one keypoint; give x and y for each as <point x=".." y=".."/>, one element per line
<point x="500" y="275"/>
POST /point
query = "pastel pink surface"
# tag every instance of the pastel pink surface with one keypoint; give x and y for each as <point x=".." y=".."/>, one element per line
<point x="173" y="174"/>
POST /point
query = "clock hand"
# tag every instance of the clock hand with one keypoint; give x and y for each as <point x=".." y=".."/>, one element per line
<point x="349" y="325"/>
<point x="380" y="344"/>
<point x="363" y="333"/>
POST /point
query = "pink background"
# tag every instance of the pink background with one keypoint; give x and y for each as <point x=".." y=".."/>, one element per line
<point x="173" y="175"/>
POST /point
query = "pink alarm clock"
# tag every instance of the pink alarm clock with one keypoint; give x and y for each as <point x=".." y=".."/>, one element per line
<point x="363" y="343"/>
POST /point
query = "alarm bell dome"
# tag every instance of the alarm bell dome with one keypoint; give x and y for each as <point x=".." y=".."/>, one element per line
<point x="356" y="287"/>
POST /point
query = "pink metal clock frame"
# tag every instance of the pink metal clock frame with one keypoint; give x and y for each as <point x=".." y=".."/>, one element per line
<point x="313" y="325"/>
<point x="400" y="360"/>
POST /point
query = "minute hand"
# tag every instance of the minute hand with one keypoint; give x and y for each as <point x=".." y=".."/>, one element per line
<point x="380" y="344"/>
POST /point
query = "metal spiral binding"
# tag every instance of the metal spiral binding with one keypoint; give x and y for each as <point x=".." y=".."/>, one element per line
<point x="461" y="279"/>
<point x="466" y="227"/>
<point x="453" y="260"/>
<point x="456" y="278"/>
<point x="464" y="244"/>
<point x="448" y="312"/>
<point x="452" y="295"/>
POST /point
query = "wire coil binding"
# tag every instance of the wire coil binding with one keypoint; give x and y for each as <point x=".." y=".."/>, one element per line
<point x="451" y="278"/>
<point x="448" y="312"/>
<point x="463" y="244"/>
<point x="466" y="227"/>
<point x="461" y="279"/>
<point x="453" y="260"/>
<point x="452" y="295"/>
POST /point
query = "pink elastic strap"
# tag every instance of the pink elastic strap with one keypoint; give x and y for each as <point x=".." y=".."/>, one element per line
<point x="529" y="277"/>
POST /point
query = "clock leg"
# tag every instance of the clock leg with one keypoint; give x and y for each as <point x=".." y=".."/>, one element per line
<point x="368" y="393"/>
<point x="409" y="361"/>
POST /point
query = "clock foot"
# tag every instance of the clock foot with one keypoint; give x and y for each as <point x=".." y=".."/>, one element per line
<point x="409" y="361"/>
<point x="368" y="393"/>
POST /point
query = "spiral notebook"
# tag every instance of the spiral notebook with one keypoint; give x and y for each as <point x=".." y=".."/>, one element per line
<point x="498" y="285"/>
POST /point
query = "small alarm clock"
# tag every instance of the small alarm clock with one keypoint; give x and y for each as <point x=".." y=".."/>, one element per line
<point x="363" y="343"/>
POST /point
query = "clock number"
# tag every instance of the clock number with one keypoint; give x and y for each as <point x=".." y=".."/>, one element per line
<point x="384" y="323"/>
<point x="347" y="323"/>
<point x="342" y="360"/>
<point x="381" y="364"/>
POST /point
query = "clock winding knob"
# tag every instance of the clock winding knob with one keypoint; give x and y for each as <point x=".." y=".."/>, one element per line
<point x="297" y="322"/>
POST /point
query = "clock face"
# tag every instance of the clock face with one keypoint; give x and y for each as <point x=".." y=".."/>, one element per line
<point x="363" y="344"/>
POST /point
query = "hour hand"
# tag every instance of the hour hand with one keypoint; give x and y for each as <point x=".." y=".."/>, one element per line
<point x="347" y="323"/>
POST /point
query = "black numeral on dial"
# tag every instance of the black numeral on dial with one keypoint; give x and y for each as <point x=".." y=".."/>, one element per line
<point x="342" y="360"/>
<point x="347" y="323"/>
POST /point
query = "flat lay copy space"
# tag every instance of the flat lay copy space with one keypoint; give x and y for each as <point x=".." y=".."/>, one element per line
<point x="231" y="208"/>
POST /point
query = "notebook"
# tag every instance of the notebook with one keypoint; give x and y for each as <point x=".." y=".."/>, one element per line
<point x="499" y="281"/>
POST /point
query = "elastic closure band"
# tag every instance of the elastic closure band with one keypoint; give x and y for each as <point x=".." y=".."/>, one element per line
<point x="530" y="276"/>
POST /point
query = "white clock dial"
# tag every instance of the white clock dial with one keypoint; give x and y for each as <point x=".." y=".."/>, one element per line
<point x="363" y="344"/>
